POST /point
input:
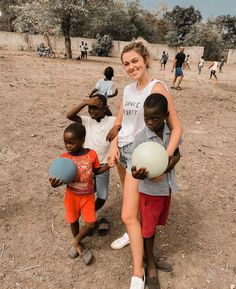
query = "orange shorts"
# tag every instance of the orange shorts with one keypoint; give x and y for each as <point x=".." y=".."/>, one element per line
<point x="76" y="204"/>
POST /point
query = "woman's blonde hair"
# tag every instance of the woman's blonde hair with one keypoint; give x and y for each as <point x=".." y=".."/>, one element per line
<point x="140" y="48"/>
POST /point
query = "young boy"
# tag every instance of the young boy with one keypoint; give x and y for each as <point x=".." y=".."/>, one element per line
<point x="200" y="65"/>
<point x="155" y="194"/>
<point x="97" y="125"/>
<point x="79" y="195"/>
<point x="105" y="86"/>
<point x="213" y="68"/>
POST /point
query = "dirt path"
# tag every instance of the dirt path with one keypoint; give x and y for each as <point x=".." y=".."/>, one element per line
<point x="200" y="238"/>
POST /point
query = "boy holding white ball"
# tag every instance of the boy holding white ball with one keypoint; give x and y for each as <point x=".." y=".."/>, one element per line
<point x="155" y="193"/>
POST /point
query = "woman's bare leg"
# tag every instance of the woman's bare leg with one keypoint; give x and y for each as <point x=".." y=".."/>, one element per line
<point x="122" y="172"/>
<point x="130" y="210"/>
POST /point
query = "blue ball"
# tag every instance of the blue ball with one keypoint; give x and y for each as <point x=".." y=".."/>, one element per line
<point x="63" y="169"/>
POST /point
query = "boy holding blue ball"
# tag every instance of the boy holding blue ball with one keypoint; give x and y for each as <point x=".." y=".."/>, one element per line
<point x="155" y="194"/>
<point x="79" y="196"/>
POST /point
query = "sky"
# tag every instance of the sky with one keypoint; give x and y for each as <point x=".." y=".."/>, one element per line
<point x="207" y="7"/>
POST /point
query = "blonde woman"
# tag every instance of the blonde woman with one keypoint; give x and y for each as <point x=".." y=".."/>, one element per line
<point x="129" y="121"/>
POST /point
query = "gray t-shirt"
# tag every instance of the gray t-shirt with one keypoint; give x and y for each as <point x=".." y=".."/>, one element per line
<point x="169" y="182"/>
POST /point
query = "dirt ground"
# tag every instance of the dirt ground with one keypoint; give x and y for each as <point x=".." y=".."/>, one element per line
<point x="200" y="238"/>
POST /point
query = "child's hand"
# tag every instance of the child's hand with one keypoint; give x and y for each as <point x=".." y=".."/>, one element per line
<point x="95" y="101"/>
<point x="55" y="182"/>
<point x="140" y="174"/>
<point x="158" y="179"/>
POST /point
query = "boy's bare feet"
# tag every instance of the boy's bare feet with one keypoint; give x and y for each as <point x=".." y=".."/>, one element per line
<point x="152" y="277"/>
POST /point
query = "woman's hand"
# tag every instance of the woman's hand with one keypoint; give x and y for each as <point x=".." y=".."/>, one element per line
<point x="113" y="133"/>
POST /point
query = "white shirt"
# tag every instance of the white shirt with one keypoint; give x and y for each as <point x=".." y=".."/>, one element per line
<point x="201" y="62"/>
<point x="105" y="87"/>
<point x="133" y="118"/>
<point x="215" y="65"/>
<point x="96" y="133"/>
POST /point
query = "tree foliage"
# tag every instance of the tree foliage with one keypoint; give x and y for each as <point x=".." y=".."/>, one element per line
<point x="121" y="20"/>
<point x="226" y="26"/>
<point x="180" y="21"/>
<point x="204" y="34"/>
<point x="103" y="45"/>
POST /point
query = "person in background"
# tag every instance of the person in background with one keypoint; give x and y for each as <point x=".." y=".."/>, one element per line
<point x="200" y="65"/>
<point x="105" y="86"/>
<point x="221" y="64"/>
<point x="163" y="60"/>
<point x="178" y="67"/>
<point x="213" y="68"/>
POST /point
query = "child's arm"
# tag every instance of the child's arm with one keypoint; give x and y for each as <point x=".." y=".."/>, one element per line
<point x="114" y="94"/>
<point x="55" y="182"/>
<point x="211" y="65"/>
<point x="101" y="170"/>
<point x="72" y="115"/>
<point x="173" y="160"/>
<point x="92" y="92"/>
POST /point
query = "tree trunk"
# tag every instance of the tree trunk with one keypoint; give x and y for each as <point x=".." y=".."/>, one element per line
<point x="66" y="32"/>
<point x="68" y="46"/>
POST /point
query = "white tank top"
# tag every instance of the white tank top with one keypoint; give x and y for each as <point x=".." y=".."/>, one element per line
<point x="133" y="119"/>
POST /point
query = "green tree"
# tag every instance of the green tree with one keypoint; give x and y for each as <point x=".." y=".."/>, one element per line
<point x="205" y="34"/>
<point x="180" y="21"/>
<point x="49" y="16"/>
<point x="226" y="25"/>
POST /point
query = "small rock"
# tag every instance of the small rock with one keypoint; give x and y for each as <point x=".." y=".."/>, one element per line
<point x="232" y="286"/>
<point x="33" y="135"/>
<point x="197" y="122"/>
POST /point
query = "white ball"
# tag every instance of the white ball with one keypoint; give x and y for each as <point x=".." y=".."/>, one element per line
<point x="152" y="156"/>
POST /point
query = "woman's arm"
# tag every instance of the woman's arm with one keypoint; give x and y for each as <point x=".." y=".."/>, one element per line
<point x="117" y="125"/>
<point x="114" y="154"/>
<point x="172" y="120"/>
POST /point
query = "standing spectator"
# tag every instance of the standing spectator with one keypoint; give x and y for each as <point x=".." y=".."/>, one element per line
<point x="82" y="50"/>
<point x="178" y="64"/>
<point x="200" y="65"/>
<point x="85" y="50"/>
<point x="164" y="59"/>
<point x="222" y="62"/>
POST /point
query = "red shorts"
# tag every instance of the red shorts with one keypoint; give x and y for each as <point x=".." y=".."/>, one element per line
<point x="76" y="204"/>
<point x="154" y="211"/>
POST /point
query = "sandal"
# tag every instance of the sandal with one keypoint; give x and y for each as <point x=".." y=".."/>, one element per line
<point x="162" y="264"/>
<point x="86" y="256"/>
<point x="179" y="88"/>
<point x="172" y="87"/>
<point x="103" y="227"/>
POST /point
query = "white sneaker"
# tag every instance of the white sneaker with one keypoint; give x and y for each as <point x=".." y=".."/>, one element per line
<point x="121" y="242"/>
<point x="137" y="283"/>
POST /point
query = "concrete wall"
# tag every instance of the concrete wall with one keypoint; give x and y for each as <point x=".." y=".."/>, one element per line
<point x="231" y="56"/>
<point x="29" y="42"/>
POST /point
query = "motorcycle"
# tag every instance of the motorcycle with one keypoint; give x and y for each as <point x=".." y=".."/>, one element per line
<point x="44" y="51"/>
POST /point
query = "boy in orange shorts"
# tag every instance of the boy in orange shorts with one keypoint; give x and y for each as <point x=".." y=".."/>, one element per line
<point x="79" y="195"/>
